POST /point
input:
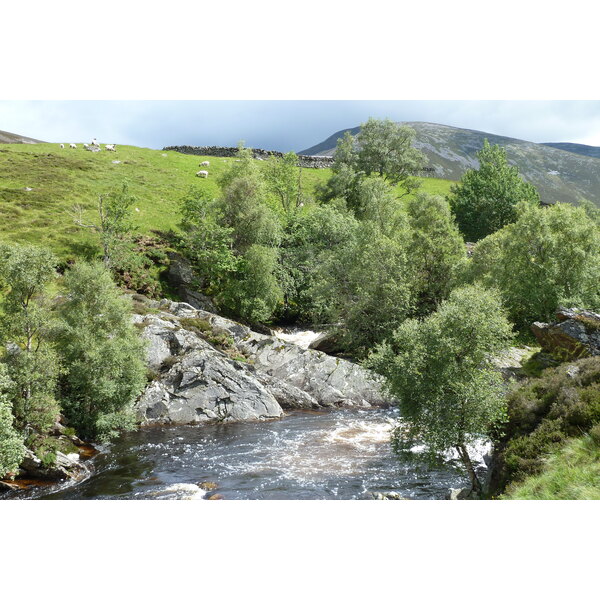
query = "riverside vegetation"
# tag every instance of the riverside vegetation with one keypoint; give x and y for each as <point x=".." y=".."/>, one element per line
<point x="365" y="248"/>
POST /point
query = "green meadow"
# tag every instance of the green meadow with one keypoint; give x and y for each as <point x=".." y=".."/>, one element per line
<point x="61" y="178"/>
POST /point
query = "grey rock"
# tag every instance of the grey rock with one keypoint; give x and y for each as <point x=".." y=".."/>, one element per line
<point x="460" y="494"/>
<point x="576" y="334"/>
<point x="196" y="382"/>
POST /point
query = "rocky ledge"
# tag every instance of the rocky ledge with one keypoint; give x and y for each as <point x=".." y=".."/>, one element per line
<point x="576" y="334"/>
<point x="207" y="368"/>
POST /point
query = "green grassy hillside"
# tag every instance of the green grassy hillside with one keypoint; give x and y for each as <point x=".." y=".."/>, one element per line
<point x="573" y="473"/>
<point x="60" y="178"/>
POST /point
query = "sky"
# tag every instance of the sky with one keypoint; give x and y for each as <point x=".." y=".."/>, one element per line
<point x="287" y="124"/>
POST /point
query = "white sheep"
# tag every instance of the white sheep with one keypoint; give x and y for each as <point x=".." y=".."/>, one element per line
<point x="204" y="163"/>
<point x="72" y="145"/>
<point x="95" y="143"/>
<point x="86" y="146"/>
<point x="203" y="174"/>
<point x="110" y="147"/>
<point x="62" y="146"/>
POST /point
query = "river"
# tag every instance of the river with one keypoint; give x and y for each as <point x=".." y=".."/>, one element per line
<point x="341" y="454"/>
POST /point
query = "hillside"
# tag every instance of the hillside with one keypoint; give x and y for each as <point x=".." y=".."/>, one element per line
<point x="560" y="176"/>
<point x="583" y="149"/>
<point x="15" y="138"/>
<point x="60" y="178"/>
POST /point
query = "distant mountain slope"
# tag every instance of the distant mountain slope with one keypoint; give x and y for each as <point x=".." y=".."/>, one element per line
<point x="560" y="176"/>
<point x="15" y="138"/>
<point x="593" y="151"/>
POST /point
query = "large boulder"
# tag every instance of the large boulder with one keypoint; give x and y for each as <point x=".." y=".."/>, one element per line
<point x="576" y="334"/>
<point x="194" y="382"/>
<point x="252" y="376"/>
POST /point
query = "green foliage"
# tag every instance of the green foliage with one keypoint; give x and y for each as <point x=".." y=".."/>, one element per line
<point x="243" y="211"/>
<point x="569" y="473"/>
<point x="544" y="413"/>
<point x="382" y="148"/>
<point x="310" y="238"/>
<point x="437" y="250"/>
<point x="12" y="448"/>
<point x="549" y="256"/>
<point x="485" y="199"/>
<point x="207" y="243"/>
<point x="283" y="179"/>
<point x="439" y="370"/>
<point x="26" y="327"/>
<point x="103" y="353"/>
<point x="385" y="148"/>
<point x="364" y="285"/>
<point x="254" y="292"/>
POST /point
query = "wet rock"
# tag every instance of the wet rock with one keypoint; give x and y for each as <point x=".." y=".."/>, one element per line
<point x="66" y="466"/>
<point x="7" y="486"/>
<point x="215" y="497"/>
<point x="576" y="334"/>
<point x="327" y="342"/>
<point x="460" y="494"/>
<point x="208" y="486"/>
<point x="384" y="496"/>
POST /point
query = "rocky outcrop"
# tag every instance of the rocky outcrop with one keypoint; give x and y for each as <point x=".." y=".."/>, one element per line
<point x="327" y="342"/>
<point x="66" y="466"/>
<point x="576" y="334"/>
<point x="208" y="368"/>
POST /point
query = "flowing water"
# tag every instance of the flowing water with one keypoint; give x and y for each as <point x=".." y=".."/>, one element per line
<point x="341" y="454"/>
<point x="338" y="454"/>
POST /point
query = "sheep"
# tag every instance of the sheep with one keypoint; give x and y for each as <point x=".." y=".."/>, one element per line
<point x="203" y="174"/>
<point x="95" y="143"/>
<point x="204" y="163"/>
<point x="110" y="147"/>
<point x="72" y="145"/>
<point x="86" y="146"/>
<point x="62" y="146"/>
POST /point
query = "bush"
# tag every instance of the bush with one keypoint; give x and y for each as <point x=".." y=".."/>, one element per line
<point x="544" y="413"/>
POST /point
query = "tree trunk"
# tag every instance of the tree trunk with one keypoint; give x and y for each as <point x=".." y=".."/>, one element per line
<point x="464" y="456"/>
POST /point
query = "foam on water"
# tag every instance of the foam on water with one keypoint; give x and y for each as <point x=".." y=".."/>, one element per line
<point x="301" y="338"/>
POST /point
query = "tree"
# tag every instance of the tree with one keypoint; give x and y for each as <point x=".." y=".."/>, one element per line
<point x="440" y="371"/>
<point x="243" y="211"/>
<point x="103" y="354"/>
<point x="365" y="287"/>
<point x="310" y="237"/>
<point x="485" y="199"/>
<point x="12" y="448"/>
<point x="382" y="148"/>
<point x="438" y="254"/>
<point x="548" y="257"/>
<point x="386" y="148"/>
<point x="253" y="292"/>
<point x="283" y="177"/>
<point x="208" y="244"/>
<point x="115" y="228"/>
<point x="26" y="327"/>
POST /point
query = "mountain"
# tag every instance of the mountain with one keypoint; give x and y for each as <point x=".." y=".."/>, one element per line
<point x="593" y="151"/>
<point x="559" y="175"/>
<point x="15" y="138"/>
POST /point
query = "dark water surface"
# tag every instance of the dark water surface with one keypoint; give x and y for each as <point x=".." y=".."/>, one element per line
<point x="307" y="455"/>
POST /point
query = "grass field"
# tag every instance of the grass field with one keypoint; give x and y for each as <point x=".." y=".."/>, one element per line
<point x="60" y="178"/>
<point x="572" y="473"/>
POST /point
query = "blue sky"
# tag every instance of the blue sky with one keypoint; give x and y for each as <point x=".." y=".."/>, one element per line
<point x="286" y="125"/>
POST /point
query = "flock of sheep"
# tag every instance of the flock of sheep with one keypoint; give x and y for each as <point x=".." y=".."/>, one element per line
<point x="93" y="145"/>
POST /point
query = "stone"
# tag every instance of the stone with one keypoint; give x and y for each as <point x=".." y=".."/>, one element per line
<point x="195" y="382"/>
<point x="576" y="334"/>
<point x="460" y="494"/>
<point x="327" y="342"/>
<point x="208" y="486"/>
